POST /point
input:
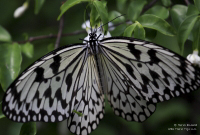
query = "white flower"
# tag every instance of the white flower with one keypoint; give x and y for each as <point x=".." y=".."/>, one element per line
<point x="194" y="58"/>
<point x="20" y="10"/>
<point x="87" y="26"/>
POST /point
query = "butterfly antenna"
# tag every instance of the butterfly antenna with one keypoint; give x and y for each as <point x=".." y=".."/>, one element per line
<point x="111" y="20"/>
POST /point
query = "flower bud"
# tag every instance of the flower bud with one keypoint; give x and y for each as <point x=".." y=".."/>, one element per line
<point x="20" y="10"/>
<point x="194" y="58"/>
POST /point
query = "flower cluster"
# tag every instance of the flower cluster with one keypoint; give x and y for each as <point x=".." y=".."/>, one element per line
<point x="194" y="58"/>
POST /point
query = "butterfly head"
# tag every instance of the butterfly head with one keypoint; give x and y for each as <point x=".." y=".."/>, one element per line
<point x="93" y="36"/>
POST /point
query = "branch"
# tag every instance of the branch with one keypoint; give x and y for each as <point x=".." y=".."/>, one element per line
<point x="149" y="6"/>
<point x="59" y="32"/>
<point x="187" y="2"/>
<point x="31" y="39"/>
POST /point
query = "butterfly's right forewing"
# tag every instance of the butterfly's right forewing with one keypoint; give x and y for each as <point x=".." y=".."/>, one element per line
<point x="61" y="85"/>
<point x="45" y="90"/>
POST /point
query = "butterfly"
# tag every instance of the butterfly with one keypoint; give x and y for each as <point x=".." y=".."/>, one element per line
<point x="73" y="81"/>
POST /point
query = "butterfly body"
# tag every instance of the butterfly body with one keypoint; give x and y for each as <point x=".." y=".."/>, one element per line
<point x="133" y="74"/>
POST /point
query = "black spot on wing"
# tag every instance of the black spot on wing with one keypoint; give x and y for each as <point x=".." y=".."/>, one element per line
<point x="154" y="74"/>
<point x="47" y="93"/>
<point x="16" y="95"/>
<point x="178" y="80"/>
<point x="134" y="51"/>
<point x="40" y="74"/>
<point x="130" y="70"/>
<point x="58" y="95"/>
<point x="58" y="78"/>
<point x="68" y="81"/>
<point x="133" y="104"/>
<point x="154" y="58"/>
<point x="139" y="65"/>
<point x="27" y="106"/>
<point x="56" y="64"/>
<point x="145" y="81"/>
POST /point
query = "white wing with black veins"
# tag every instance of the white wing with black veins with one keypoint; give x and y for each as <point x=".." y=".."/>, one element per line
<point x="122" y="97"/>
<point x="155" y="73"/>
<point x="90" y="101"/>
<point x="54" y="86"/>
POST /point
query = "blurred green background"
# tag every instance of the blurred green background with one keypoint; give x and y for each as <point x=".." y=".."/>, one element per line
<point x="181" y="110"/>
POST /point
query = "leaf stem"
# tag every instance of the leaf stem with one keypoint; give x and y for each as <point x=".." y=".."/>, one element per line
<point x="59" y="32"/>
<point x="149" y="6"/>
<point x="187" y="2"/>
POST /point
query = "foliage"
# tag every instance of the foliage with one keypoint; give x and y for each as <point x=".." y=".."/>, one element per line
<point x="28" y="128"/>
<point x="172" y="24"/>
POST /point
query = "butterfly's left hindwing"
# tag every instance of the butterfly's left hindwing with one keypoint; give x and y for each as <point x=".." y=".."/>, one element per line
<point x="156" y="74"/>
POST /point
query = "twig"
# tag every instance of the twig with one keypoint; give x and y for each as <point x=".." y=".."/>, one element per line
<point x="149" y="6"/>
<point x="31" y="39"/>
<point x="59" y="32"/>
<point x="187" y="2"/>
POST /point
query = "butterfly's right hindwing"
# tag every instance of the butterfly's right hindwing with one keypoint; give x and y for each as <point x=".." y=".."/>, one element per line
<point x="123" y="98"/>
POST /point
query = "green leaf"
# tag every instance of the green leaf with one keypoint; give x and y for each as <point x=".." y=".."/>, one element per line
<point x="119" y="30"/>
<point x="150" y="34"/>
<point x="163" y="12"/>
<point x="38" y="5"/>
<point x="25" y="35"/>
<point x="68" y="4"/>
<point x="192" y="10"/>
<point x="28" y="49"/>
<point x="114" y="14"/>
<point x="156" y="23"/>
<point x="185" y="29"/>
<point x="28" y="128"/>
<point x="176" y="110"/>
<point x="178" y="14"/>
<point x="1" y="114"/>
<point x="93" y="16"/>
<point x="121" y="4"/>
<point x="166" y="3"/>
<point x="137" y="29"/>
<point x="100" y="7"/>
<point x="196" y="35"/>
<point x="10" y="63"/>
<point x="135" y="9"/>
<point x="129" y="30"/>
<point x="197" y="4"/>
<point x="50" y="47"/>
<point x="4" y="35"/>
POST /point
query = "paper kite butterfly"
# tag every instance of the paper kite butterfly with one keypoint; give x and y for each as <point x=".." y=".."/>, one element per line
<point x="133" y="74"/>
